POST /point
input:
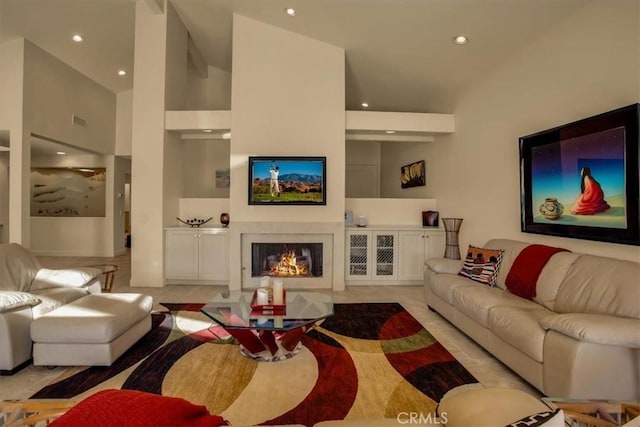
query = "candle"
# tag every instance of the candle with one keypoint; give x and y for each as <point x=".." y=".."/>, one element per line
<point x="278" y="292"/>
<point x="262" y="297"/>
<point x="265" y="282"/>
<point x="278" y="321"/>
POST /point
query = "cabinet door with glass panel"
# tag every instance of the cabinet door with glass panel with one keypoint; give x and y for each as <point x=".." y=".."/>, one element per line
<point x="371" y="255"/>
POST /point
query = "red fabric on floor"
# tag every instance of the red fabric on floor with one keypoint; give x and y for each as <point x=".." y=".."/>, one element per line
<point x="130" y="408"/>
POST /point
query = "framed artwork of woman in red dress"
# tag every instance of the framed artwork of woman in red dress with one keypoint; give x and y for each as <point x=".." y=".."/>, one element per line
<point x="581" y="180"/>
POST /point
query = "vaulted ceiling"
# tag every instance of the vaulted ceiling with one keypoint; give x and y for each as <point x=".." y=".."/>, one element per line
<point x="399" y="53"/>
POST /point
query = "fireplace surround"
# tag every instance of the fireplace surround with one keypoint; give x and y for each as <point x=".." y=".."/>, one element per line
<point x="300" y="260"/>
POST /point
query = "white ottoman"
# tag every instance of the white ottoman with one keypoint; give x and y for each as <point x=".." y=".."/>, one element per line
<point x="93" y="330"/>
<point x="475" y="405"/>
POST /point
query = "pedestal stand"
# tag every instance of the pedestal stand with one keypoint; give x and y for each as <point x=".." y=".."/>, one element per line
<point x="452" y="228"/>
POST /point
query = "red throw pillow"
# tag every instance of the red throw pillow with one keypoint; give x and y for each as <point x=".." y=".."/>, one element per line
<point x="130" y="408"/>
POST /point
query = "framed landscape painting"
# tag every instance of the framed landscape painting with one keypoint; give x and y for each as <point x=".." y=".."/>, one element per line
<point x="581" y="180"/>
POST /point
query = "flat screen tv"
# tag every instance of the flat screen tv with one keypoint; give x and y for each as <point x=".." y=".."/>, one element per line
<point x="287" y="180"/>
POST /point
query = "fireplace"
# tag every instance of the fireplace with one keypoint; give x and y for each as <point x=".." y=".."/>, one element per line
<point x="301" y="260"/>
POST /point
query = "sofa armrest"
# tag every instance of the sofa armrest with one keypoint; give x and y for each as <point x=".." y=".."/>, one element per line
<point x="596" y="328"/>
<point x="444" y="265"/>
<point x="69" y="277"/>
<point x="13" y="300"/>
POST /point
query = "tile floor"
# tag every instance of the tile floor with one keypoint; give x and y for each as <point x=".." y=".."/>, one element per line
<point x="488" y="370"/>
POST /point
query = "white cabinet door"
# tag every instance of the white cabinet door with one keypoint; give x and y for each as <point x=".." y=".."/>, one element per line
<point x="434" y="244"/>
<point x="358" y="253"/>
<point x="384" y="259"/>
<point x="181" y="254"/>
<point x="213" y="255"/>
<point x="411" y="255"/>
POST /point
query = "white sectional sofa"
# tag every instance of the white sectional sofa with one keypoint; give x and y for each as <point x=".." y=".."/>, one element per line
<point x="578" y="338"/>
<point x="27" y="292"/>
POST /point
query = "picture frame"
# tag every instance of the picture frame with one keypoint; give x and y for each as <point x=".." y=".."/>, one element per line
<point x="68" y="191"/>
<point x="287" y="180"/>
<point x="580" y="180"/>
<point x="413" y="175"/>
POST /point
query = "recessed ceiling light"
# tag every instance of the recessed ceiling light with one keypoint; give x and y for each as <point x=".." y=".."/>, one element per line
<point x="207" y="130"/>
<point x="290" y="11"/>
<point x="390" y="131"/>
<point x="77" y="38"/>
<point x="62" y="153"/>
<point x="122" y="73"/>
<point x="226" y="135"/>
<point x="460" y="39"/>
<point x="365" y="105"/>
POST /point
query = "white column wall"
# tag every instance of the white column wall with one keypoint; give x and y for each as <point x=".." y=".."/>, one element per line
<point x="287" y="98"/>
<point x="12" y="119"/>
<point x="156" y="172"/>
<point x="588" y="64"/>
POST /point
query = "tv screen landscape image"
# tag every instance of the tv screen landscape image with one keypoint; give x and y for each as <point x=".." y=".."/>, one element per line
<point x="287" y="180"/>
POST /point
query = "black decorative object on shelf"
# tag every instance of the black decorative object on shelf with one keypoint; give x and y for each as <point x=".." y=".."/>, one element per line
<point x="195" y="222"/>
<point x="224" y="219"/>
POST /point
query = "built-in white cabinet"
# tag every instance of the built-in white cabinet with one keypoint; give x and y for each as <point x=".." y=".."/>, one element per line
<point x="414" y="247"/>
<point x="390" y="255"/>
<point x="197" y="256"/>
<point x="371" y="255"/>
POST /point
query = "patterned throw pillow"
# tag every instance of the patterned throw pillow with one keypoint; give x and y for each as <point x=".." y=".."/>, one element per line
<point x="482" y="265"/>
<point x="553" y="418"/>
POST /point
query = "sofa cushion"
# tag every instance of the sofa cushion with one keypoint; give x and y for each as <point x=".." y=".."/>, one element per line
<point x="552" y="276"/>
<point x="11" y="300"/>
<point x="95" y="318"/>
<point x="70" y="277"/>
<point x="52" y="298"/>
<point x="482" y="265"/>
<point x="17" y="267"/>
<point x="600" y="285"/>
<point x="596" y="328"/>
<point x="511" y="250"/>
<point x="520" y="328"/>
<point x="443" y="285"/>
<point x="476" y="301"/>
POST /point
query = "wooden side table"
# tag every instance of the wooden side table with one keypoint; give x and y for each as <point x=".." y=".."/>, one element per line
<point x="109" y="271"/>
<point x="33" y="412"/>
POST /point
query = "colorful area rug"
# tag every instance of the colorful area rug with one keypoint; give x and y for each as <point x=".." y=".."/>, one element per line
<point x="369" y="360"/>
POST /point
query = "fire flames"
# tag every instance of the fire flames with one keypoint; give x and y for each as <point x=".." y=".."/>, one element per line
<point x="289" y="266"/>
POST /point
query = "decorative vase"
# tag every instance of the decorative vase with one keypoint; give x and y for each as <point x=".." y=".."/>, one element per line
<point x="224" y="219"/>
<point x="551" y="208"/>
<point x="452" y="228"/>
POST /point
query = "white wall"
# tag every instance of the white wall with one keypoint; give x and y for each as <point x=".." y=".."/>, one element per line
<point x="586" y="65"/>
<point x="212" y="93"/>
<point x="4" y="196"/>
<point x="54" y="92"/>
<point x="287" y="99"/>
<point x="202" y="158"/>
<point x="75" y="236"/>
<point x="394" y="155"/>
<point x="12" y="119"/>
<point x="156" y="179"/>
<point x="124" y="116"/>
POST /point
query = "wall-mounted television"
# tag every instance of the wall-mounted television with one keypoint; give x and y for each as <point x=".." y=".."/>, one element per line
<point x="287" y="180"/>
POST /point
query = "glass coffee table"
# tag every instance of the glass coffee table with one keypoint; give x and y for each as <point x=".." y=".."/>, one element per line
<point x="269" y="335"/>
